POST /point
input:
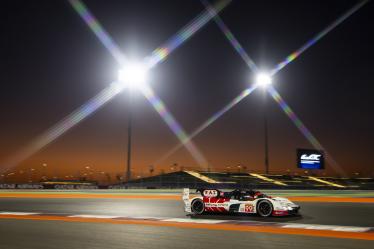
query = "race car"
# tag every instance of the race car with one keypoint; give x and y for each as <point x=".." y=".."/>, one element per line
<point x="237" y="201"/>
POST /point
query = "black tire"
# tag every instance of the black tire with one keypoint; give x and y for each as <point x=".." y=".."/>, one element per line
<point x="264" y="208"/>
<point x="197" y="206"/>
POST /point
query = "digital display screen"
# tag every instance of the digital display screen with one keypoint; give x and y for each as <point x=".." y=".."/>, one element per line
<point x="310" y="159"/>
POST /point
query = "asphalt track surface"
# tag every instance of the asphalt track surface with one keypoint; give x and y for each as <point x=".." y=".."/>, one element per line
<point x="15" y="233"/>
<point x="347" y="214"/>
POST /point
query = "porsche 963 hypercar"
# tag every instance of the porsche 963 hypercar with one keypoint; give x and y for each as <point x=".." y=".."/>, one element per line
<point x="238" y="201"/>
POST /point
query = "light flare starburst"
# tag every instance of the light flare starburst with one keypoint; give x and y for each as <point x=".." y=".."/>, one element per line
<point x="207" y="123"/>
<point x="317" y="37"/>
<point x="230" y="36"/>
<point x="158" y="55"/>
<point x="184" y="34"/>
<point x="302" y="128"/>
<point x="160" y="107"/>
<point x="98" y="30"/>
<point x="63" y="126"/>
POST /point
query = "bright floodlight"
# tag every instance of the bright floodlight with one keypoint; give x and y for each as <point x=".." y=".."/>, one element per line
<point x="263" y="80"/>
<point x="133" y="75"/>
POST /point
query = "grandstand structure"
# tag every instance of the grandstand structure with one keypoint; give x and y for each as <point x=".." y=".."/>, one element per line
<point x="200" y="179"/>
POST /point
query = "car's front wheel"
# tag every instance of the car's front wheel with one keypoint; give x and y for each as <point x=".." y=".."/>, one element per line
<point x="264" y="208"/>
<point x="197" y="206"/>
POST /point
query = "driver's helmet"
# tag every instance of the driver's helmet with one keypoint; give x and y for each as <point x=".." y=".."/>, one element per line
<point x="247" y="195"/>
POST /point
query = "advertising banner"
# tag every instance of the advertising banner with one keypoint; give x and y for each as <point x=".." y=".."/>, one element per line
<point x="310" y="159"/>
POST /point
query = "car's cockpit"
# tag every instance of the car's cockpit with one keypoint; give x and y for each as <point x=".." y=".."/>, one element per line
<point x="244" y="195"/>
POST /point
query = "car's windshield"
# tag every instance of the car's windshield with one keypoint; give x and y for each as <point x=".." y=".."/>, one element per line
<point x="261" y="195"/>
<point x="249" y="195"/>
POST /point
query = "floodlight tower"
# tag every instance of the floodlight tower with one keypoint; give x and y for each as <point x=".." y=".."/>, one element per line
<point x="132" y="76"/>
<point x="263" y="80"/>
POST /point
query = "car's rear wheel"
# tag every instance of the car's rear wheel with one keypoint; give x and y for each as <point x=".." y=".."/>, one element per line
<point x="197" y="206"/>
<point x="264" y="208"/>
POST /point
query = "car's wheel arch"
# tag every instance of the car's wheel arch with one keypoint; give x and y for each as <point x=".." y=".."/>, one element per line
<point x="259" y="201"/>
<point x="197" y="199"/>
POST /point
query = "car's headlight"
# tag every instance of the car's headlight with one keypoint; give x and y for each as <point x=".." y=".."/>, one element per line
<point x="283" y="204"/>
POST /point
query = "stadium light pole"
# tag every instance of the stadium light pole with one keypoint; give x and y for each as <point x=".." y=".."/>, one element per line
<point x="266" y="135"/>
<point x="263" y="80"/>
<point x="129" y="137"/>
<point x="132" y="76"/>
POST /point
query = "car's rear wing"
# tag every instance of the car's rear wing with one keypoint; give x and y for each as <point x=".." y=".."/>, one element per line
<point x="186" y="200"/>
<point x="186" y="194"/>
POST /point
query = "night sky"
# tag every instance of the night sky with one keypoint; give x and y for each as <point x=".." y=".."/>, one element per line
<point x="51" y="63"/>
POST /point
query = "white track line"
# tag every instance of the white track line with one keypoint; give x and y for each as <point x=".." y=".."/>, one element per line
<point x="328" y="227"/>
<point x="17" y="213"/>
<point x="94" y="216"/>
<point x="187" y="220"/>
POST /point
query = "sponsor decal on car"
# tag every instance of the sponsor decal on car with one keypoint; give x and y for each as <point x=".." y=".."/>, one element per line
<point x="214" y="204"/>
<point x="210" y="193"/>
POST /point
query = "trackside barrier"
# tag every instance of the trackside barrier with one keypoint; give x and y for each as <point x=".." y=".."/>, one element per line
<point x="21" y="186"/>
<point x="7" y="186"/>
<point x="46" y="186"/>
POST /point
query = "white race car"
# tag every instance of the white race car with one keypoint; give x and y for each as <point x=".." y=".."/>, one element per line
<point x="238" y="201"/>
